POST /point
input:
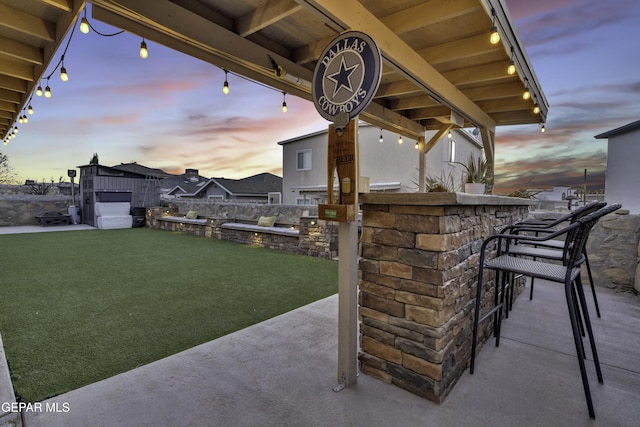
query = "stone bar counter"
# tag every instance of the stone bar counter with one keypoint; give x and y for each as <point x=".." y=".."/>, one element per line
<point x="419" y="267"/>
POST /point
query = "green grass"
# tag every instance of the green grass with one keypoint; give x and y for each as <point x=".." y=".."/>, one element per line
<point x="80" y="306"/>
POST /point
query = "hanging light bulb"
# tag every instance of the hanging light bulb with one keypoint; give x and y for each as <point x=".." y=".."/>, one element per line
<point x="30" y="109"/>
<point x="417" y="145"/>
<point x="39" y="91"/>
<point x="541" y="127"/>
<point x="284" y="102"/>
<point x="495" y="36"/>
<point x="25" y="119"/>
<point x="526" y="94"/>
<point x="225" y="87"/>
<point x="47" y="92"/>
<point x="63" y="74"/>
<point x="20" y="120"/>
<point x="84" y="24"/>
<point x="16" y="130"/>
<point x="511" y="69"/>
<point x="144" y="53"/>
<point x="400" y="139"/>
<point x="536" y="109"/>
<point x="449" y="135"/>
<point x="381" y="138"/>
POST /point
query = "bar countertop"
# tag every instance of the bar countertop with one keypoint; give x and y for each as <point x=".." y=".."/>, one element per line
<point x="440" y="199"/>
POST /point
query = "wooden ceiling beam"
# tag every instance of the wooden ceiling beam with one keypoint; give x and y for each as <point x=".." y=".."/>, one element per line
<point x="19" y="70"/>
<point x="428" y="13"/>
<point x="468" y="47"/>
<point x="21" y="51"/>
<point x="13" y="84"/>
<point x="9" y="96"/>
<point x="476" y="75"/>
<point x="63" y="5"/>
<point x="269" y="13"/>
<point x="504" y="90"/>
<point x="421" y="101"/>
<point x="8" y="106"/>
<point x="27" y="24"/>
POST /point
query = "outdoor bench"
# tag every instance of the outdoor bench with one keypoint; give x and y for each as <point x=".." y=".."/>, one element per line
<point x="181" y="219"/>
<point x="53" y="218"/>
<point x="254" y="227"/>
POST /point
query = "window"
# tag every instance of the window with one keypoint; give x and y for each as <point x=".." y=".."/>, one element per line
<point x="452" y="151"/>
<point x="303" y="160"/>
<point x="275" y="198"/>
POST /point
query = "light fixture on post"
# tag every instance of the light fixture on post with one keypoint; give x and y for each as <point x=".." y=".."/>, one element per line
<point x="84" y="24"/>
<point x="511" y="69"/>
<point x="144" y="53"/>
<point x="381" y="138"/>
<point x="495" y="36"/>
<point x="225" y="87"/>
<point x="284" y="102"/>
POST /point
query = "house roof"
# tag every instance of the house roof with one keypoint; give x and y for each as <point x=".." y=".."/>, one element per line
<point x="141" y="169"/>
<point x="619" y="131"/>
<point x="438" y="65"/>
<point x="260" y="184"/>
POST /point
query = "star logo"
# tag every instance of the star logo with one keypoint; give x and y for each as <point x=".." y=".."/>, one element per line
<point x="346" y="76"/>
<point x="342" y="78"/>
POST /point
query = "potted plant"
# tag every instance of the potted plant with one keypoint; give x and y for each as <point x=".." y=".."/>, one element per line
<point x="475" y="175"/>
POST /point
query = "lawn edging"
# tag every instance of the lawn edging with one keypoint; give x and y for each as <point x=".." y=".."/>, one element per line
<point x="7" y="396"/>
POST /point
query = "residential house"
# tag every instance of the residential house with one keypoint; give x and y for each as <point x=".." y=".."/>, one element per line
<point x="391" y="164"/>
<point x="622" y="176"/>
<point x="264" y="187"/>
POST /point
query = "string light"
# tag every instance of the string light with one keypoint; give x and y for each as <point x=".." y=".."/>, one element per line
<point x="144" y="53"/>
<point x="526" y="94"/>
<point x="47" y="90"/>
<point x="449" y="135"/>
<point x="39" y="90"/>
<point x="541" y="127"/>
<point x="84" y="24"/>
<point x="417" y="145"/>
<point x="30" y="109"/>
<point x="381" y="138"/>
<point x="400" y="139"/>
<point x="536" y="109"/>
<point x="495" y="36"/>
<point x="511" y="69"/>
<point x="225" y="87"/>
<point x="284" y="102"/>
<point x="63" y="71"/>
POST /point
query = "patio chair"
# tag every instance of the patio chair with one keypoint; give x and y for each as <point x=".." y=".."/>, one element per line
<point x="552" y="249"/>
<point x="568" y="273"/>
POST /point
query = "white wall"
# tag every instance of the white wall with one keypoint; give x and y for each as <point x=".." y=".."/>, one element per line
<point x="384" y="163"/>
<point x="622" y="184"/>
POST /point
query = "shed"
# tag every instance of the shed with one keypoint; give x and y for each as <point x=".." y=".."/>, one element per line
<point x="100" y="183"/>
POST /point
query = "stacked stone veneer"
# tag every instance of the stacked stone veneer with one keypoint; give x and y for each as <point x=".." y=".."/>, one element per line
<point x="418" y="285"/>
<point x="315" y="237"/>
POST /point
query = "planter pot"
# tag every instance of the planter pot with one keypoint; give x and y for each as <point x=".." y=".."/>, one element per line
<point x="474" y="188"/>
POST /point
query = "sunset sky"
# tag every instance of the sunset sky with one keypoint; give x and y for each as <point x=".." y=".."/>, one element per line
<point x="168" y="111"/>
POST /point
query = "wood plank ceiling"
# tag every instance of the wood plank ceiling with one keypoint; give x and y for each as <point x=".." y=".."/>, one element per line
<point x="437" y="58"/>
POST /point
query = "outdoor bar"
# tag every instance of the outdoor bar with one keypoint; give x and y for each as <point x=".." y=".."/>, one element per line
<point x="419" y="268"/>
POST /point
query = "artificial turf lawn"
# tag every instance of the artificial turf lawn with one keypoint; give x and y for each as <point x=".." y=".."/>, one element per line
<point x="80" y="306"/>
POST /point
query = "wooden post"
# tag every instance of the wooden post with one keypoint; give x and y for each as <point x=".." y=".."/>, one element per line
<point x="347" y="304"/>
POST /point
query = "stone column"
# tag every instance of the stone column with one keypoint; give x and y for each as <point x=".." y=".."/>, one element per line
<point x="420" y="257"/>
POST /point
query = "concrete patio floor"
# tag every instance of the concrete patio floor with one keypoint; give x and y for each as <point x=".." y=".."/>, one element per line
<point x="281" y="372"/>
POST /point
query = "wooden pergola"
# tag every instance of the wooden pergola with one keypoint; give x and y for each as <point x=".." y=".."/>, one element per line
<point x="439" y="68"/>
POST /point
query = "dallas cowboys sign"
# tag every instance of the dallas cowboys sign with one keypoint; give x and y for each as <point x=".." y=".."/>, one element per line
<point x="346" y="77"/>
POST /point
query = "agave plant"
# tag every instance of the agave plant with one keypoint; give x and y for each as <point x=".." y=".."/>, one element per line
<point x="475" y="169"/>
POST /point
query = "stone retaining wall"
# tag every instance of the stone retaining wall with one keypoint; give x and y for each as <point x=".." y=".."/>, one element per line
<point x="21" y="209"/>
<point x="316" y="237"/>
